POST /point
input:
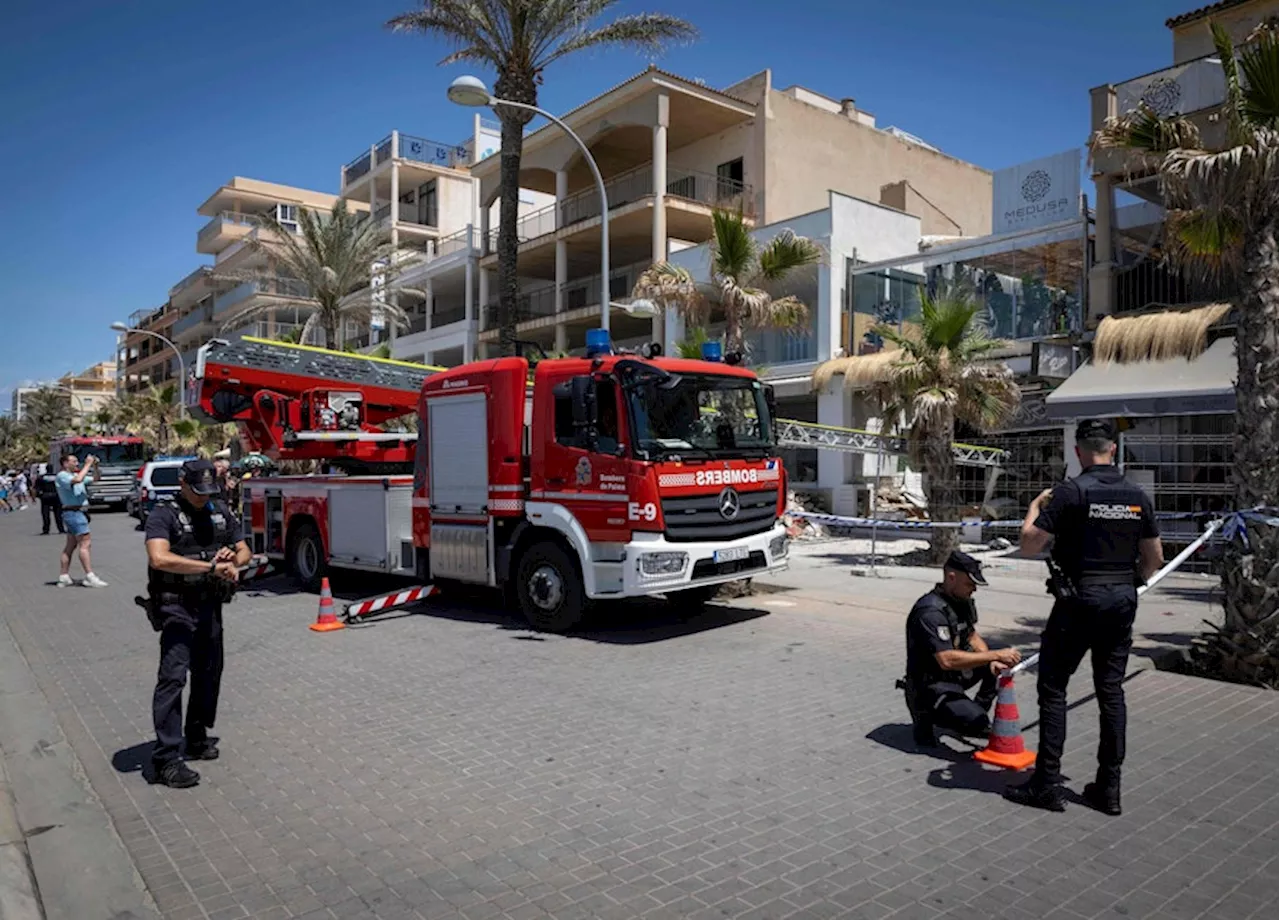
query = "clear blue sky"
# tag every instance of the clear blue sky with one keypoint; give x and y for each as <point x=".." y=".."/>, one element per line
<point x="120" y="118"/>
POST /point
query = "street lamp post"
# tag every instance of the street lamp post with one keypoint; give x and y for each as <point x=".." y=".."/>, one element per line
<point x="471" y="91"/>
<point x="182" y="370"/>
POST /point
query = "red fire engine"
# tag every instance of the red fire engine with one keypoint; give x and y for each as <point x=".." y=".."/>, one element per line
<point x="569" y="481"/>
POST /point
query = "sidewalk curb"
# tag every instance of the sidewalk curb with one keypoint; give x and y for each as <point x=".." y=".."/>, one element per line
<point x="18" y="897"/>
<point x="82" y="869"/>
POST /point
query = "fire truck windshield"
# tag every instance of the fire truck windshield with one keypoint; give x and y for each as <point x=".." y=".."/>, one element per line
<point x="107" y="454"/>
<point x="701" y="415"/>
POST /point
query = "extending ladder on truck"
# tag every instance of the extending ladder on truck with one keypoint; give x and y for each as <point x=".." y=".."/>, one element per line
<point x="792" y="433"/>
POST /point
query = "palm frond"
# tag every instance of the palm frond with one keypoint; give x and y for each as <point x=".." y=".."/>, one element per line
<point x="1233" y="106"/>
<point x="778" y="313"/>
<point x="1260" y="66"/>
<point x="733" y="251"/>
<point x="785" y="253"/>
<point x="1146" y="135"/>
<point x="649" y="32"/>
<point x="1204" y="244"/>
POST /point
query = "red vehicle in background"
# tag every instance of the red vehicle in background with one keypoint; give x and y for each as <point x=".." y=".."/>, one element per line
<point x="120" y="460"/>
<point x="572" y="481"/>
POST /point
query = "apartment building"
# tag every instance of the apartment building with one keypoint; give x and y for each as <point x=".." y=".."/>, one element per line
<point x="671" y="150"/>
<point x="240" y="278"/>
<point x="422" y="193"/>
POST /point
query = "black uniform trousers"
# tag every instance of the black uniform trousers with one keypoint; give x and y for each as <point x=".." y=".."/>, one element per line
<point x="50" y="505"/>
<point x="190" y="641"/>
<point x="954" y="710"/>
<point x="1099" y="622"/>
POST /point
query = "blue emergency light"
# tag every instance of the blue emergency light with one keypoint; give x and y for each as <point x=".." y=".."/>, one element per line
<point x="598" y="343"/>
<point x="710" y="351"/>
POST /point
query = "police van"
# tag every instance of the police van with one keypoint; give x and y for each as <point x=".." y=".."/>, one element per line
<point x="159" y="479"/>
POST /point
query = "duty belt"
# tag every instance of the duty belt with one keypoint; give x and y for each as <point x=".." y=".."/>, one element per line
<point x="1107" y="578"/>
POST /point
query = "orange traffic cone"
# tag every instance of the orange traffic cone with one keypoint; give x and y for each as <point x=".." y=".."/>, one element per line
<point x="1004" y="747"/>
<point x="327" y="620"/>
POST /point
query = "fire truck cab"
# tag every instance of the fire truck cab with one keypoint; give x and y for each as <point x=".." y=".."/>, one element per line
<point x="562" y="483"/>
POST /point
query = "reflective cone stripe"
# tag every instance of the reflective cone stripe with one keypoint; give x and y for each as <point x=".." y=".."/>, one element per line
<point x="326" y="620"/>
<point x="1005" y="747"/>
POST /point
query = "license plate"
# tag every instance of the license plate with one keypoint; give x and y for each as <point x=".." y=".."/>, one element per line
<point x="730" y="555"/>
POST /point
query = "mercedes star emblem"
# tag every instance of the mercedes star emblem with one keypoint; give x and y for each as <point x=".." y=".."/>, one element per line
<point x="729" y="504"/>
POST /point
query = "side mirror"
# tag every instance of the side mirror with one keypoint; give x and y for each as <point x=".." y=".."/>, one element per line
<point x="582" y="396"/>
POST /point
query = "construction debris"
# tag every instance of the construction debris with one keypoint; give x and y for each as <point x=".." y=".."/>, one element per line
<point x="801" y="528"/>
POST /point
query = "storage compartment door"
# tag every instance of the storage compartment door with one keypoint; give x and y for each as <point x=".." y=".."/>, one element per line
<point x="459" y="444"/>
<point x="358" y="525"/>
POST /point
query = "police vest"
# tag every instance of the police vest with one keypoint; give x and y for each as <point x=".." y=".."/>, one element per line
<point x="961" y="630"/>
<point x="1098" y="537"/>
<point x="189" y="546"/>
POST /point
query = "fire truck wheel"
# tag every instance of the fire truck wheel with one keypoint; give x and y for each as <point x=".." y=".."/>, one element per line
<point x="549" y="589"/>
<point x="306" y="557"/>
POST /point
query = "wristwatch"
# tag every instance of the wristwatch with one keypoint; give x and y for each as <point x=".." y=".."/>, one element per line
<point x="213" y="566"/>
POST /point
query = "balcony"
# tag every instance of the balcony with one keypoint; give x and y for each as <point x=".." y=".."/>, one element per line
<point x="406" y="147"/>
<point x="224" y="229"/>
<point x="1195" y="90"/>
<point x="229" y="303"/>
<point x="629" y="187"/>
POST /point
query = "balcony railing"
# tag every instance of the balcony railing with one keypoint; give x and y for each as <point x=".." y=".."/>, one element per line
<point x="628" y="187"/>
<point x="215" y="225"/>
<point x="448" y="317"/>
<point x="406" y="147"/>
<point x="578" y="294"/>
<point x="1178" y="90"/>
<point x="199" y="273"/>
<point x="1151" y="283"/>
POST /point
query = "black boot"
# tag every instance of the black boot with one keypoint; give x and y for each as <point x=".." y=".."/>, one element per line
<point x="922" y="731"/>
<point x="202" y="750"/>
<point x="1105" y="799"/>
<point x="177" y="775"/>
<point x="1031" y="793"/>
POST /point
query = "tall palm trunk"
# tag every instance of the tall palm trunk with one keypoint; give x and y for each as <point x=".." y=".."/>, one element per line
<point x="940" y="490"/>
<point x="1249" y="575"/>
<point x="517" y="88"/>
<point x="508" y="210"/>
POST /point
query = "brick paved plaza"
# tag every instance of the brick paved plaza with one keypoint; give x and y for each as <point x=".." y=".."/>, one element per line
<point x="752" y="763"/>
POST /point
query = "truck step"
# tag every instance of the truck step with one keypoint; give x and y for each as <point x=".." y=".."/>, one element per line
<point x="381" y="603"/>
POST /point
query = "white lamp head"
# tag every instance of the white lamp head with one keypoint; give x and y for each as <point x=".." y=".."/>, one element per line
<point x="469" y="91"/>
<point x="639" y="307"/>
<point x="119" y="327"/>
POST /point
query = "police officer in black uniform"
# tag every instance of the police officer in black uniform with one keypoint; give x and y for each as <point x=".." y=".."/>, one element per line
<point x="946" y="657"/>
<point x="1105" y="544"/>
<point x="50" y="504"/>
<point x="194" y="553"/>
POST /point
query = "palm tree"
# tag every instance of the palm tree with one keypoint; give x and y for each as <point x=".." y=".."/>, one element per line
<point x="933" y="375"/>
<point x="206" y="440"/>
<point x="332" y="261"/>
<point x="1222" y="204"/>
<point x="154" y="414"/>
<point x="519" y="40"/>
<point x="48" y="413"/>
<point x="742" y="275"/>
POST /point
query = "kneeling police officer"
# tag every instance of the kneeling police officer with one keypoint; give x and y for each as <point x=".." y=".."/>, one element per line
<point x="194" y="554"/>
<point x="946" y="657"/>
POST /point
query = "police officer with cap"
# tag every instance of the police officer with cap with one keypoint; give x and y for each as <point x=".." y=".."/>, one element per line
<point x="947" y="657"/>
<point x="194" y="552"/>
<point x="1105" y="544"/>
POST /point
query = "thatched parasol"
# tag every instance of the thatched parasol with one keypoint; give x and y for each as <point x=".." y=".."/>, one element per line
<point x="858" y="371"/>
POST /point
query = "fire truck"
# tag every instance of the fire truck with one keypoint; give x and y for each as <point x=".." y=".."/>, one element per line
<point x="562" y="482"/>
<point x="120" y="459"/>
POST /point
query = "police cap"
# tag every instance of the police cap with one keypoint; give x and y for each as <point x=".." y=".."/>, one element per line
<point x="1092" y="428"/>
<point x="963" y="562"/>
<point x="200" y="476"/>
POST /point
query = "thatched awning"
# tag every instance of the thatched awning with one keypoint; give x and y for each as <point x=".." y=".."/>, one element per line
<point x="858" y="371"/>
<point x="1157" y="336"/>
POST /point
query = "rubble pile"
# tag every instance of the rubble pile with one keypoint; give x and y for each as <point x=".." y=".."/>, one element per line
<point x="801" y="528"/>
<point x="894" y="503"/>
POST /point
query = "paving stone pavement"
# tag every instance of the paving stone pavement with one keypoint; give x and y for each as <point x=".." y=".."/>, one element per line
<point x="751" y="764"/>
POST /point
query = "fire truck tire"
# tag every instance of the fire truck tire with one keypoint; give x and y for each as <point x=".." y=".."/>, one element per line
<point x="306" y="557"/>
<point x="549" y="588"/>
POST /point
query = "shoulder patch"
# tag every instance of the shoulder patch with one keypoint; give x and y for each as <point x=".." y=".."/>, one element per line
<point x="944" y="633"/>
